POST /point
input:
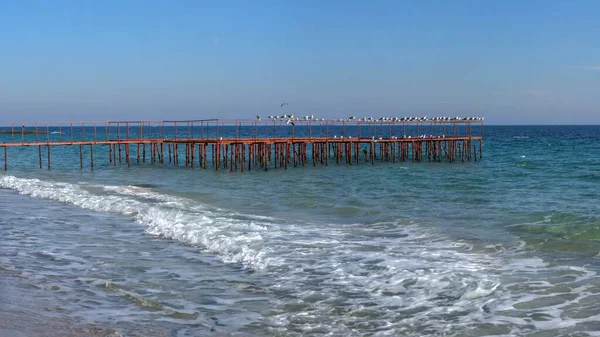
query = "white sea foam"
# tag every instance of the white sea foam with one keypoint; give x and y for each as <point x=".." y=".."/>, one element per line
<point x="175" y="218"/>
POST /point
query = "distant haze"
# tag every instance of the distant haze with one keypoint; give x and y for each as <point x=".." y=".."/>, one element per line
<point x="512" y="62"/>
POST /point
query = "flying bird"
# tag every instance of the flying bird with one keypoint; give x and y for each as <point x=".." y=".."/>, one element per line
<point x="282" y="104"/>
<point x="257" y="118"/>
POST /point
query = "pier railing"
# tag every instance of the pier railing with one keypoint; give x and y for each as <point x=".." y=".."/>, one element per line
<point x="227" y="129"/>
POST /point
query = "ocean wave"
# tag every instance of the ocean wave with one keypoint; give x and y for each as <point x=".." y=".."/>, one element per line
<point x="233" y="240"/>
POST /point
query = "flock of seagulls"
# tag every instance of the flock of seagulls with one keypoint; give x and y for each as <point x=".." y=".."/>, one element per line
<point x="409" y="119"/>
<point x="395" y="137"/>
<point x="290" y="118"/>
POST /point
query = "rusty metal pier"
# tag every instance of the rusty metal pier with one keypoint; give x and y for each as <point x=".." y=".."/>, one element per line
<point x="238" y="145"/>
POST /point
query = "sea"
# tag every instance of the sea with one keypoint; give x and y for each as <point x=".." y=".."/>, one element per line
<point x="505" y="246"/>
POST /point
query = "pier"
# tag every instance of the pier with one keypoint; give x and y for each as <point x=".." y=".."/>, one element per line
<point x="248" y="144"/>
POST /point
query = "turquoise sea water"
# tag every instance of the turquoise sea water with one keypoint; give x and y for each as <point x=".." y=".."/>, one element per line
<point x="507" y="246"/>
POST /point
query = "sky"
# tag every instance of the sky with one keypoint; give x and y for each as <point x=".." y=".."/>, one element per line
<point x="512" y="62"/>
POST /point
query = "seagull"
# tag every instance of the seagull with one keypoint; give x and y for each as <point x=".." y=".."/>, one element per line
<point x="257" y="118"/>
<point x="282" y="104"/>
<point x="351" y="118"/>
<point x="289" y="121"/>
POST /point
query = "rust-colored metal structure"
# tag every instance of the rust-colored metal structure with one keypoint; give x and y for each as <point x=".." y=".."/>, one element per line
<point x="253" y="144"/>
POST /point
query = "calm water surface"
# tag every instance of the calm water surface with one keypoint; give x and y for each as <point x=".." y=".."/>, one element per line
<point x="504" y="247"/>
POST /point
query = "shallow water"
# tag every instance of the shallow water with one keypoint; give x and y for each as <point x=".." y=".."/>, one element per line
<point x="507" y="246"/>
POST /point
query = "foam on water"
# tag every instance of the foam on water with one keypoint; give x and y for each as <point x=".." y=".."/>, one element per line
<point x="379" y="279"/>
<point x="172" y="217"/>
<point x="396" y="286"/>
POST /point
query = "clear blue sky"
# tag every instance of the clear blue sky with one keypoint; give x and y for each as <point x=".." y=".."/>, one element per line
<point x="513" y="62"/>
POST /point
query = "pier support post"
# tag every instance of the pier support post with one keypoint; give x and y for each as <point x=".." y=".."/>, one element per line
<point x="92" y="156"/>
<point x="192" y="154"/>
<point x="250" y="152"/>
<point x="243" y="158"/>
<point x="372" y="153"/>
<point x="231" y="157"/>
<point x="48" y="146"/>
<point x="162" y="152"/>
